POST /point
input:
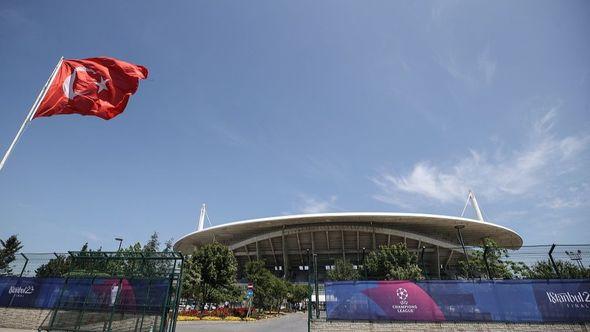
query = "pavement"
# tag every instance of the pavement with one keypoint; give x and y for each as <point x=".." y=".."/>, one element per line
<point x="292" y="322"/>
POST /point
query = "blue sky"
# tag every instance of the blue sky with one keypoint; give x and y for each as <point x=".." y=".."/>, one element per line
<point x="264" y="108"/>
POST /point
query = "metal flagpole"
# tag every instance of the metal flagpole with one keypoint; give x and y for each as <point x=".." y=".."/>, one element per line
<point x="31" y="112"/>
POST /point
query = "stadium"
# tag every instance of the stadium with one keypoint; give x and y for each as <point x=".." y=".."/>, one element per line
<point x="285" y="243"/>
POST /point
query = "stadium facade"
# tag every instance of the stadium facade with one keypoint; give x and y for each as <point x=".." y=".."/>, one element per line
<point x="285" y="243"/>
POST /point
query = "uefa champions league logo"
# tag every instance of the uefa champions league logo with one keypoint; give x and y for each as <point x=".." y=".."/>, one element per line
<point x="403" y="306"/>
<point x="402" y="293"/>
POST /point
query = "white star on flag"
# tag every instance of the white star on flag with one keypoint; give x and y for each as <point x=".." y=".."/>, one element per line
<point x="102" y="85"/>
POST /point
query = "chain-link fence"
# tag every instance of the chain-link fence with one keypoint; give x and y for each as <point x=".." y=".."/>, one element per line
<point x="95" y="290"/>
<point x="555" y="261"/>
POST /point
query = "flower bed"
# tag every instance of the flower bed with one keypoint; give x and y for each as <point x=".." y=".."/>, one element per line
<point x="229" y="314"/>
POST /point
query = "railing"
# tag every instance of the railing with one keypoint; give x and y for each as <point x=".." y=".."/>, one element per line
<point x="554" y="261"/>
<point x="100" y="290"/>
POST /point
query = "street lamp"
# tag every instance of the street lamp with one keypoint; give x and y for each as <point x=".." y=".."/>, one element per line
<point x="317" y="292"/>
<point x="310" y="291"/>
<point x="120" y="242"/>
<point x="460" y="238"/>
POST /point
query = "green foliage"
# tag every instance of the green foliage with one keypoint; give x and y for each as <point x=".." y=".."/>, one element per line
<point x="56" y="267"/>
<point x="278" y="291"/>
<point x="298" y="293"/>
<point x="191" y="278"/>
<point x="499" y="265"/>
<point x="343" y="270"/>
<point x="95" y="263"/>
<point x="269" y="290"/>
<point x="210" y="275"/>
<point x="544" y="270"/>
<point x="8" y="250"/>
<point x="393" y="262"/>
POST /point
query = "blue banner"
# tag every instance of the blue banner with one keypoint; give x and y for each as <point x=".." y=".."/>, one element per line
<point x="96" y="294"/>
<point x="454" y="300"/>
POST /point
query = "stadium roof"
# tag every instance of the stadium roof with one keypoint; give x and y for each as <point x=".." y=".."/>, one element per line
<point x="436" y="229"/>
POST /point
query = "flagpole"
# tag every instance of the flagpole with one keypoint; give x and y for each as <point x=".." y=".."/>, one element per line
<point x="32" y="111"/>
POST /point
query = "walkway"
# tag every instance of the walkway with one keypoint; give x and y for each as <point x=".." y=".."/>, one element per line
<point x="293" y="322"/>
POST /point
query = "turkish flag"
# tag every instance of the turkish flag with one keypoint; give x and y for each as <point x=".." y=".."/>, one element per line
<point x="95" y="86"/>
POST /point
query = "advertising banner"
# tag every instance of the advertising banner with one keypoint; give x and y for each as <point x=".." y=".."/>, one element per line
<point x="95" y="294"/>
<point x="29" y="292"/>
<point x="455" y="300"/>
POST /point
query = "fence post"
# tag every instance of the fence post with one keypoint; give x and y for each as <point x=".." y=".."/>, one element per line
<point x="309" y="291"/>
<point x="24" y="266"/>
<point x="553" y="261"/>
<point x="178" y="290"/>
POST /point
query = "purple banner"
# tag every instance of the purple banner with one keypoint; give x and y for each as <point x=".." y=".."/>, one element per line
<point x="454" y="300"/>
<point x="126" y="295"/>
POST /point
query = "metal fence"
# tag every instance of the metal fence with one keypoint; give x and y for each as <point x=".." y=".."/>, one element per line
<point x="99" y="291"/>
<point x="554" y="261"/>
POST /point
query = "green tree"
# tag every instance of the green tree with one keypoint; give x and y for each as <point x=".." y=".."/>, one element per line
<point x="8" y="250"/>
<point x="212" y="271"/>
<point x="544" y="270"/>
<point x="343" y="270"/>
<point x="393" y="262"/>
<point x="278" y="292"/>
<point x="191" y="278"/>
<point x="269" y="291"/>
<point x="497" y="262"/>
<point x="297" y="293"/>
<point x="101" y="267"/>
<point x="261" y="278"/>
<point x="56" y="267"/>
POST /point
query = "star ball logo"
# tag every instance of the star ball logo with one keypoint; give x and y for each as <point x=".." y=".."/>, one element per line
<point x="403" y="307"/>
<point x="402" y="293"/>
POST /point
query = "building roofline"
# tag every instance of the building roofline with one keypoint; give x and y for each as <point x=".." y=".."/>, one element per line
<point x="286" y="218"/>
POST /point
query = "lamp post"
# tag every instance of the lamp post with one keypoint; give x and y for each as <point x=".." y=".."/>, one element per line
<point x="317" y="291"/>
<point x="422" y="260"/>
<point x="460" y="238"/>
<point x="309" y="290"/>
<point x="120" y="240"/>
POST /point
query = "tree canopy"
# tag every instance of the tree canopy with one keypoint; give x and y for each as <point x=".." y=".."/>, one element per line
<point x="210" y="274"/>
<point x="545" y="270"/>
<point x="67" y="266"/>
<point x="8" y="250"/>
<point x="497" y="262"/>
<point x="343" y="270"/>
<point x="393" y="262"/>
<point x="270" y="291"/>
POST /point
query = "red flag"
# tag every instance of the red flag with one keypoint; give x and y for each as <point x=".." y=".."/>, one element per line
<point x="95" y="86"/>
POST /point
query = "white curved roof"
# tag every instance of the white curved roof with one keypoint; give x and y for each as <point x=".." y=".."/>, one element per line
<point x="437" y="227"/>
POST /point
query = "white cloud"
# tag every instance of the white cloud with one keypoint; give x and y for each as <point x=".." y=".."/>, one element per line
<point x="473" y="71"/>
<point x="544" y="158"/>
<point x="560" y="203"/>
<point x="90" y="236"/>
<point x="486" y="65"/>
<point x="310" y="204"/>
